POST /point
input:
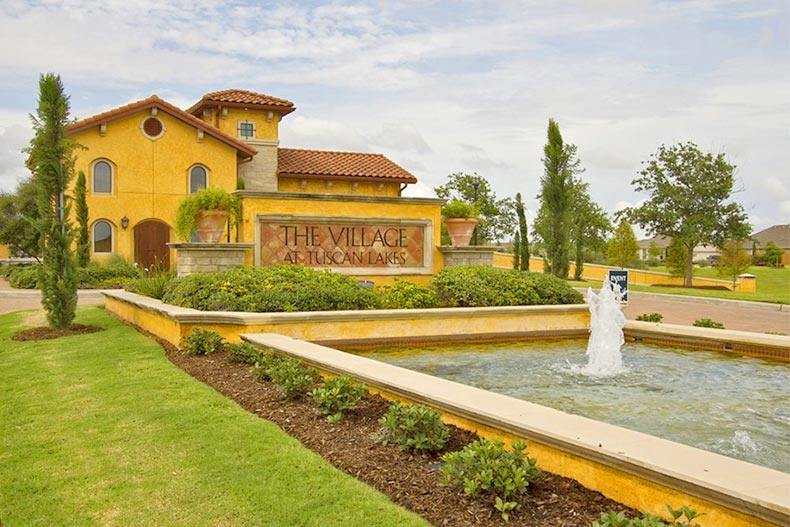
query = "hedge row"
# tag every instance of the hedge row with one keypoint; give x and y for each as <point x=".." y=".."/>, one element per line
<point x="298" y="288"/>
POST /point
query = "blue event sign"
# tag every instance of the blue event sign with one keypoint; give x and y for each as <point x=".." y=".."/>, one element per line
<point x="620" y="277"/>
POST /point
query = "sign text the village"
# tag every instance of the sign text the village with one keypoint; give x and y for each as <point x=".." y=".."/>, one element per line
<point x="342" y="245"/>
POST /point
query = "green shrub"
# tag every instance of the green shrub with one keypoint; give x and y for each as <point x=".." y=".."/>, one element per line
<point x="113" y="273"/>
<point x="486" y="467"/>
<point x="152" y="285"/>
<point x="650" y="317"/>
<point x="291" y="376"/>
<point x="201" y="342"/>
<point x="680" y="518"/>
<point x="458" y="209"/>
<point x="244" y="353"/>
<point x="408" y="295"/>
<point x="415" y="427"/>
<point x="337" y="395"/>
<point x="480" y="286"/>
<point x="708" y="323"/>
<point x="23" y="276"/>
<point x="270" y="289"/>
<point x="190" y="208"/>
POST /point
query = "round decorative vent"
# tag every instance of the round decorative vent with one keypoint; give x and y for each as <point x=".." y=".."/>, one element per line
<point x="153" y="127"/>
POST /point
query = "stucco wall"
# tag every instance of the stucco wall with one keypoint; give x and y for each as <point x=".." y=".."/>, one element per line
<point x="150" y="177"/>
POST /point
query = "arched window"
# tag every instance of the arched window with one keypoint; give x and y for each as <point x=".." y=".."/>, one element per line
<point x="102" y="237"/>
<point x="102" y="177"/>
<point x="198" y="178"/>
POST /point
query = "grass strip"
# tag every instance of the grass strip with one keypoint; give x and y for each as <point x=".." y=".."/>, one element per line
<point x="102" y="429"/>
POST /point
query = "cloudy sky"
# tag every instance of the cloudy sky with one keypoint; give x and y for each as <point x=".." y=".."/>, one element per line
<point x="439" y="87"/>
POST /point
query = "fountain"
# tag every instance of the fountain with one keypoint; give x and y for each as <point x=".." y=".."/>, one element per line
<point x="606" y="332"/>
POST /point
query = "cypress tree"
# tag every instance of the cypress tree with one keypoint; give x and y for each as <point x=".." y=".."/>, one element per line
<point x="83" y="244"/>
<point x="517" y="251"/>
<point x="52" y="162"/>
<point x="559" y="166"/>
<point x="523" y="235"/>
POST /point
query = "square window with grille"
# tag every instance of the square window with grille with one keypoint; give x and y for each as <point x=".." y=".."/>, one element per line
<point x="246" y="129"/>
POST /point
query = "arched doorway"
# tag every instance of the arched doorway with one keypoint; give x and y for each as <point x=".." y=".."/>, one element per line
<point x="150" y="244"/>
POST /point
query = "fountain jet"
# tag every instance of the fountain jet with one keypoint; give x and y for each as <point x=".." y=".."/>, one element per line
<point x="606" y="331"/>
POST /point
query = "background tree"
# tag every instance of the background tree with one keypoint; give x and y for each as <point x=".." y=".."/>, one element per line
<point x="654" y="251"/>
<point x="83" y="244"/>
<point x="18" y="217"/>
<point x="623" y="249"/>
<point x="773" y="254"/>
<point x="559" y="167"/>
<point x="521" y="249"/>
<point x="52" y="163"/>
<point x="589" y="226"/>
<point x="689" y="201"/>
<point x="733" y="260"/>
<point x="496" y="216"/>
<point x="676" y="259"/>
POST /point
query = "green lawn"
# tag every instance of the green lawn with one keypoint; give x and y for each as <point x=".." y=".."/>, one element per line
<point x="102" y="429"/>
<point x="773" y="285"/>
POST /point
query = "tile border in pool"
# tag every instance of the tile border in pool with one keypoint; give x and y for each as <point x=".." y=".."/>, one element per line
<point x="637" y="469"/>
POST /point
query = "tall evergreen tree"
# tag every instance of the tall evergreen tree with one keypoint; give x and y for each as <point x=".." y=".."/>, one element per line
<point x="52" y="163"/>
<point x="83" y="244"/>
<point x="517" y="251"/>
<point x="559" y="166"/>
<point x="522" y="250"/>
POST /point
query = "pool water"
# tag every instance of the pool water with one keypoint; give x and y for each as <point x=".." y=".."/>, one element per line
<point x="723" y="403"/>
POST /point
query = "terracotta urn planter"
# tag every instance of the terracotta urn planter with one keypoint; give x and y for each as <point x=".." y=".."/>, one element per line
<point x="211" y="225"/>
<point x="460" y="230"/>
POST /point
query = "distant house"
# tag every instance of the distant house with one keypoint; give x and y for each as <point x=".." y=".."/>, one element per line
<point x="779" y="234"/>
<point x="702" y="251"/>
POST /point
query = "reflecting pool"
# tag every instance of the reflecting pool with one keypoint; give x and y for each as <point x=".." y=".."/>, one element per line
<point x="724" y="403"/>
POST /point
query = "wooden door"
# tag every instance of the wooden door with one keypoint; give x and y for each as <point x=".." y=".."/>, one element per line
<point x="150" y="244"/>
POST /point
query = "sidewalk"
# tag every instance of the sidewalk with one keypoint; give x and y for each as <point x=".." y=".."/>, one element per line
<point x="25" y="299"/>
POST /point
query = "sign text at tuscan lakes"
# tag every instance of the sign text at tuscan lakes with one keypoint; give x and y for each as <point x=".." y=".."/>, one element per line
<point x="342" y="244"/>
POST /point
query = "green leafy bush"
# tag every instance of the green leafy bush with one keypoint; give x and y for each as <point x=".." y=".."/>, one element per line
<point x="112" y="274"/>
<point x="291" y="376"/>
<point x="458" y="209"/>
<point x="152" y="285"/>
<point x="244" y="353"/>
<point x="486" y="467"/>
<point x="190" y="208"/>
<point x="23" y="276"/>
<point x="408" y="295"/>
<point x="337" y="395"/>
<point x="270" y="289"/>
<point x="708" y="323"/>
<point x="480" y="286"/>
<point x="415" y="427"/>
<point x="201" y="342"/>
<point x="681" y="518"/>
<point x="650" y="317"/>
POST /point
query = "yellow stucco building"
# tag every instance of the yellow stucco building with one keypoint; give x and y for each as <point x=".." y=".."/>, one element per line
<point x="339" y="210"/>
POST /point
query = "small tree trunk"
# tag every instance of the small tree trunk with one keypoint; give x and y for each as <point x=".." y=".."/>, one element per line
<point x="689" y="266"/>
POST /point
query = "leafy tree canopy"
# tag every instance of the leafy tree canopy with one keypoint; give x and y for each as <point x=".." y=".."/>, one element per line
<point x="689" y="200"/>
<point x="18" y="216"/>
<point x="497" y="217"/>
<point x="623" y="250"/>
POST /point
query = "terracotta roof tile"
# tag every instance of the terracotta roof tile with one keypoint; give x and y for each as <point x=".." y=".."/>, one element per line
<point x="242" y="97"/>
<point x="296" y="162"/>
<point x="154" y="101"/>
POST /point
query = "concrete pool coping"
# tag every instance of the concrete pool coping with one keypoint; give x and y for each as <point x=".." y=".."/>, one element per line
<point x="737" y="485"/>
<point x="748" y="495"/>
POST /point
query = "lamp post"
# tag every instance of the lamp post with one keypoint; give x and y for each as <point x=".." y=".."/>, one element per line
<point x="475" y="186"/>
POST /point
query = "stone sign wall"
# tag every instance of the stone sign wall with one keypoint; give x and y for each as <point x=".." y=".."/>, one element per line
<point x="343" y="243"/>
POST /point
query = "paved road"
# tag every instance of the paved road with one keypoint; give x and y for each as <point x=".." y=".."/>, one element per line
<point x="745" y="316"/>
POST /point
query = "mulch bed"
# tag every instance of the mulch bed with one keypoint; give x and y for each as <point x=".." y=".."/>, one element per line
<point x="46" y="333"/>
<point x="410" y="480"/>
